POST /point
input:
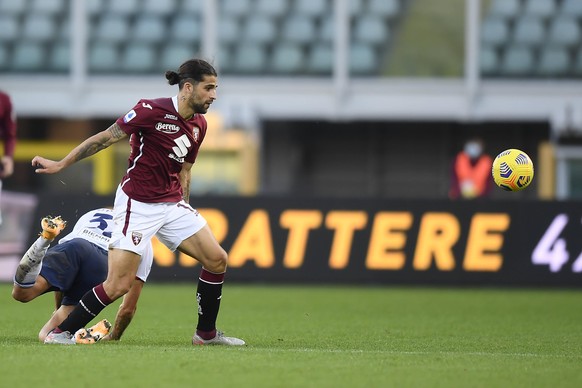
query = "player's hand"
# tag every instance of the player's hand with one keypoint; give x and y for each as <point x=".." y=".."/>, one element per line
<point x="6" y="167"/>
<point x="45" y="166"/>
<point x="110" y="337"/>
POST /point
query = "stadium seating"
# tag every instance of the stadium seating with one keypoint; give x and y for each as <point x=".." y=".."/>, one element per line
<point x="28" y="57"/>
<point x="553" y="61"/>
<point x="103" y="58"/>
<point x="283" y="36"/>
<point x="60" y="57"/>
<point x="518" y="61"/>
<point x="531" y="38"/>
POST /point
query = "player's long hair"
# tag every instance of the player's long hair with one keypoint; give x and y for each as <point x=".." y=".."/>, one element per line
<point x="193" y="70"/>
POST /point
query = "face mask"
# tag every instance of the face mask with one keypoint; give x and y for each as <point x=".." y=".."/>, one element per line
<point x="473" y="150"/>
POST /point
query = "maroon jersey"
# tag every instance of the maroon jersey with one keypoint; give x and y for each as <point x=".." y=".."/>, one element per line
<point x="7" y="124"/>
<point x="161" y="141"/>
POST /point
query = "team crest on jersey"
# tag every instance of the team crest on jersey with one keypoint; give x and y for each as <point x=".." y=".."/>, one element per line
<point x="196" y="132"/>
<point x="136" y="237"/>
<point x="167" y="128"/>
<point x="129" y="116"/>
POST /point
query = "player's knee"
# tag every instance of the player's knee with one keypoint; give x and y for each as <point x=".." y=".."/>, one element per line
<point x="116" y="289"/>
<point x="217" y="262"/>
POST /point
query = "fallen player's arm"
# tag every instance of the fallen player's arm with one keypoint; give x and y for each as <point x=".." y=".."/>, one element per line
<point x="126" y="311"/>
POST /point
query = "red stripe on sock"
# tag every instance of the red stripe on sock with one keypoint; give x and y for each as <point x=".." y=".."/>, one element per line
<point x="211" y="277"/>
<point x="206" y="335"/>
<point x="101" y="294"/>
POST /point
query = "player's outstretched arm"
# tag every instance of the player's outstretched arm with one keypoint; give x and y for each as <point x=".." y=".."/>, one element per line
<point x="87" y="148"/>
<point x="126" y="311"/>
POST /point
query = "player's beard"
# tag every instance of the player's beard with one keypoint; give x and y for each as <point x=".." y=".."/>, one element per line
<point x="200" y="108"/>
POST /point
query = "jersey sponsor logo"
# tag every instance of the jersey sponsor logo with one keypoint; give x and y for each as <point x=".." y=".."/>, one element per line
<point x="136" y="237"/>
<point x="196" y="132"/>
<point x="147" y="106"/>
<point x="129" y="116"/>
<point x="167" y="128"/>
<point x="171" y="117"/>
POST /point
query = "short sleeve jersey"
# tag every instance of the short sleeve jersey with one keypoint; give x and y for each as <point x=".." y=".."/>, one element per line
<point x="96" y="226"/>
<point x="161" y="141"/>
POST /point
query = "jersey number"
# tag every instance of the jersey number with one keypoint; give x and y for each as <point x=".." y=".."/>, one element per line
<point x="182" y="145"/>
<point x="102" y="219"/>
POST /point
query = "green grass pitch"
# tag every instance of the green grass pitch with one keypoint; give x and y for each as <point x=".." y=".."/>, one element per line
<point x="307" y="336"/>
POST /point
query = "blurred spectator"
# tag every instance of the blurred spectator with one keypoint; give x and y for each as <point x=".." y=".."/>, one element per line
<point x="8" y="135"/>
<point x="471" y="175"/>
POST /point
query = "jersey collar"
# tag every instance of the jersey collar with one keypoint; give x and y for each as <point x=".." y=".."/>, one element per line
<point x="175" y="102"/>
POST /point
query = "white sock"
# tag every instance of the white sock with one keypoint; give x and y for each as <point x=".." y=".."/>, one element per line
<point x="31" y="263"/>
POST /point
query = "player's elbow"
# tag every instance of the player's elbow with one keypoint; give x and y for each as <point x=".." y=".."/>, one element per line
<point x="127" y="312"/>
<point x="21" y="295"/>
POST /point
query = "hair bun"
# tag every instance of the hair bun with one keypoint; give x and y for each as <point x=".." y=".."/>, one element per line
<point x="172" y="77"/>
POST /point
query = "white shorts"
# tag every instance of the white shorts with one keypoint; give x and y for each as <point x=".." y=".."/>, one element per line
<point x="137" y="222"/>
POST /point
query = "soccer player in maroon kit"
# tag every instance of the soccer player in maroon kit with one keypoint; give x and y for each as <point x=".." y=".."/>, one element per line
<point x="8" y="133"/>
<point x="152" y="199"/>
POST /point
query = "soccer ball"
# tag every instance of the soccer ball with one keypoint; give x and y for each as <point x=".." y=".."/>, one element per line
<point x="512" y="170"/>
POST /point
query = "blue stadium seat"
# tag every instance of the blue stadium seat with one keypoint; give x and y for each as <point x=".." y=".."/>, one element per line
<point x="37" y="27"/>
<point x="355" y="7"/>
<point x="148" y="28"/>
<point x="505" y="8"/>
<point x="313" y="8"/>
<point x="228" y="30"/>
<point x="60" y="57"/>
<point x="564" y="31"/>
<point x="13" y="8"/>
<point x="488" y="61"/>
<point x="112" y="28"/>
<point x="529" y="31"/>
<point x="193" y="7"/>
<point x="320" y="59"/>
<point x="4" y="58"/>
<point x="371" y="29"/>
<point x="47" y="7"/>
<point x="298" y="29"/>
<point x="572" y="8"/>
<point x="327" y="29"/>
<point x="540" y="8"/>
<point x="186" y="28"/>
<point x="123" y="7"/>
<point x="577" y="67"/>
<point x="159" y="8"/>
<point x="287" y="59"/>
<point x="236" y="8"/>
<point x="173" y="55"/>
<point x="95" y="7"/>
<point x="138" y="58"/>
<point x="494" y="31"/>
<point x="249" y="59"/>
<point x="259" y="29"/>
<point x="385" y="8"/>
<point x="64" y="30"/>
<point x="517" y="61"/>
<point x="28" y="56"/>
<point x="223" y="60"/>
<point x="554" y="62"/>
<point x="103" y="57"/>
<point x="273" y="8"/>
<point x="10" y="28"/>
<point x="363" y="59"/>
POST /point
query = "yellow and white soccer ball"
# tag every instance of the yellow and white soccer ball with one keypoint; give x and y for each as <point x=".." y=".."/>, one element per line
<point x="512" y="170"/>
